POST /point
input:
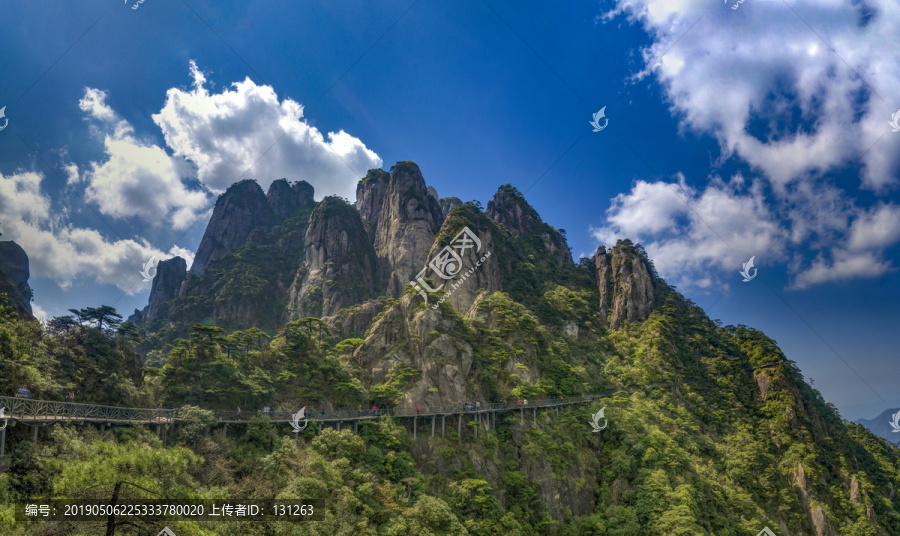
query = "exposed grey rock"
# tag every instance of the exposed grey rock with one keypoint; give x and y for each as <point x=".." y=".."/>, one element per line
<point x="354" y="320"/>
<point x="423" y="339"/>
<point x="626" y="287"/>
<point x="407" y="224"/>
<point x="238" y="211"/>
<point x="170" y="274"/>
<point x="820" y="522"/>
<point x="478" y="272"/>
<point x="15" y="273"/>
<point x="339" y="262"/>
<point x="855" y="495"/>
<point x="448" y="204"/>
<point x="283" y="199"/>
<point x="370" y="192"/>
<point x="510" y="209"/>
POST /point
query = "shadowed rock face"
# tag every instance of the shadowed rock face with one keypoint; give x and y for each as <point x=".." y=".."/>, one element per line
<point x="510" y="209"/>
<point x="166" y="284"/>
<point x="283" y="199"/>
<point x="370" y="194"/>
<point x="448" y="204"/>
<point x="406" y="226"/>
<point x="479" y="270"/>
<point x="14" y="270"/>
<point x="238" y="211"/>
<point x="626" y="287"/>
<point x="339" y="264"/>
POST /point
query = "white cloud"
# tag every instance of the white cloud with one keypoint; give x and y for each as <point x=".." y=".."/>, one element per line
<point x="94" y="104"/>
<point x="767" y="87"/>
<point x="773" y="95"/>
<point x="64" y="253"/>
<point x="247" y="127"/>
<point x="690" y="234"/>
<point x="138" y="179"/>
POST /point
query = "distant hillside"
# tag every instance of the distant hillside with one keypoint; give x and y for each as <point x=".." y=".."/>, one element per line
<point x="881" y="426"/>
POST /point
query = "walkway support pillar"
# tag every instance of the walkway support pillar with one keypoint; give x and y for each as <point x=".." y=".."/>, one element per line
<point x="355" y="427"/>
<point x="415" y="424"/>
<point x="443" y="425"/>
<point x="535" y="415"/>
<point x="433" y="418"/>
<point x="34" y="432"/>
<point x="2" y="443"/>
<point x="339" y="426"/>
<point x="522" y="415"/>
<point x="459" y="425"/>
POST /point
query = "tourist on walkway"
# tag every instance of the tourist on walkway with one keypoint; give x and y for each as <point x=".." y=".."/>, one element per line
<point x="418" y="409"/>
<point x="374" y="410"/>
<point x="526" y="402"/>
<point x="266" y="411"/>
<point x="23" y="392"/>
<point x="239" y="413"/>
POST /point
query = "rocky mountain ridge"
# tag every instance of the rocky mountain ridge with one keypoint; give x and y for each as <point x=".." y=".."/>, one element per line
<point x="14" y="274"/>
<point x="294" y="257"/>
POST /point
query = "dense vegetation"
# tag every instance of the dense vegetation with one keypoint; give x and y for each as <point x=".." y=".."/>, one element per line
<point x="722" y="453"/>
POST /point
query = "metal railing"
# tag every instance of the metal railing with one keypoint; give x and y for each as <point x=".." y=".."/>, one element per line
<point x="27" y="409"/>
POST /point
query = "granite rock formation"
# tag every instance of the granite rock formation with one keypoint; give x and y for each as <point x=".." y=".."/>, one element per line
<point x="625" y="285"/>
<point x="14" y="274"/>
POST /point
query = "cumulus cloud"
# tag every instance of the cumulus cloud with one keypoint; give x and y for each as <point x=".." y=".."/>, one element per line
<point x="137" y="178"/>
<point x="768" y="88"/>
<point x="247" y="127"/>
<point x="692" y="235"/>
<point x="777" y="98"/>
<point x="64" y="253"/>
<point x="94" y="104"/>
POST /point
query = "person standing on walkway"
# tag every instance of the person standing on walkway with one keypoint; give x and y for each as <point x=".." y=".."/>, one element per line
<point x="418" y="409"/>
<point x="239" y="413"/>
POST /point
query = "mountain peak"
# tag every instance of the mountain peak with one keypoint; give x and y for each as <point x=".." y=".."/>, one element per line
<point x="626" y="280"/>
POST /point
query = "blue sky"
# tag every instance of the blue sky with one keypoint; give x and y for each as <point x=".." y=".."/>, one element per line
<point x="735" y="130"/>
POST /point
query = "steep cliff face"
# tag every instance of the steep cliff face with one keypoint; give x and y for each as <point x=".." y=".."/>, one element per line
<point x="448" y="204"/>
<point x="419" y="352"/>
<point x="283" y="198"/>
<point x="14" y="276"/>
<point x="241" y="209"/>
<point x="407" y="224"/>
<point x="625" y="285"/>
<point x="170" y="275"/>
<point x="463" y="262"/>
<point x="510" y="209"/>
<point x="370" y="194"/>
<point x="339" y="262"/>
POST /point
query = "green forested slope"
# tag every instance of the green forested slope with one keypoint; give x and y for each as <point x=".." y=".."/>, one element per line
<point x="742" y="443"/>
